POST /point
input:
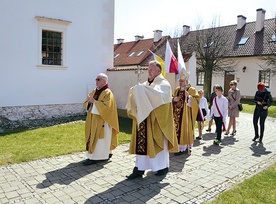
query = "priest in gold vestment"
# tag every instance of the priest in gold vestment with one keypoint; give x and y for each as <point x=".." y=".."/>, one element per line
<point x="153" y="134"/>
<point x="101" y="126"/>
<point x="185" y="109"/>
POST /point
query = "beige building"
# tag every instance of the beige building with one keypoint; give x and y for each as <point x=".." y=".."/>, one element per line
<point x="249" y="42"/>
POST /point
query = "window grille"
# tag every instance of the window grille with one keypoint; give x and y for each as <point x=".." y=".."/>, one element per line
<point x="200" y="78"/>
<point x="51" y="48"/>
<point x="264" y="76"/>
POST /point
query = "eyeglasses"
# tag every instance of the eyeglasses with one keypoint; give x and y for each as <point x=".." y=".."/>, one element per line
<point x="97" y="79"/>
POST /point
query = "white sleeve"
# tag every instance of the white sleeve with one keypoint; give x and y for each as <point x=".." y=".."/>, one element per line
<point x="94" y="110"/>
<point x="189" y="103"/>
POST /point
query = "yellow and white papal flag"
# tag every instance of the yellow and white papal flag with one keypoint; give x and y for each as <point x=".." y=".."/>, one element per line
<point x="161" y="61"/>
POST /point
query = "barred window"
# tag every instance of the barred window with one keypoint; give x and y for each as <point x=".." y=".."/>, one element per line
<point x="51" y="48"/>
<point x="200" y="78"/>
<point x="52" y="43"/>
<point x="264" y="76"/>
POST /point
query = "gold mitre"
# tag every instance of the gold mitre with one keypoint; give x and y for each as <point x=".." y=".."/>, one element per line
<point x="184" y="75"/>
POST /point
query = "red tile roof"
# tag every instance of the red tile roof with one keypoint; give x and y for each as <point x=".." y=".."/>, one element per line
<point x="258" y="43"/>
<point x="125" y="49"/>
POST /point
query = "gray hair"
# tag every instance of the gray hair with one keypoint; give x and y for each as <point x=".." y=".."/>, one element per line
<point x="156" y="63"/>
<point x="103" y="77"/>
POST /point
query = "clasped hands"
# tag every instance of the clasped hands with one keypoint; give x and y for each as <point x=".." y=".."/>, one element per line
<point x="260" y="103"/>
<point x="91" y="99"/>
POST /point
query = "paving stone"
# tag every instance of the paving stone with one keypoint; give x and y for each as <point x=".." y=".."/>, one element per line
<point x="194" y="178"/>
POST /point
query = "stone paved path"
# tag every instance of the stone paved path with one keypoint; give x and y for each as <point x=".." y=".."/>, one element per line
<point x="193" y="178"/>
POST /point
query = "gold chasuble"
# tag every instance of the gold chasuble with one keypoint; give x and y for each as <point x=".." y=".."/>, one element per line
<point x="185" y="112"/>
<point x="149" y="105"/>
<point x="94" y="126"/>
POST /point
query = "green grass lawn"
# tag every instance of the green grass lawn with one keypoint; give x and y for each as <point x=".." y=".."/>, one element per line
<point x="258" y="189"/>
<point x="28" y="145"/>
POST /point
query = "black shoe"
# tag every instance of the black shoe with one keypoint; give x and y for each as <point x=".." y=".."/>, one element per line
<point x="135" y="174"/>
<point x="198" y="138"/>
<point x="233" y="133"/>
<point x="88" y="162"/>
<point x="208" y="130"/>
<point x="226" y="133"/>
<point x="110" y="155"/>
<point x="162" y="172"/>
<point x="178" y="153"/>
<point x="254" y="139"/>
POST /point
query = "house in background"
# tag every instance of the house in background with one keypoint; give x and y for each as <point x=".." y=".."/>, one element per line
<point x="248" y="43"/>
<point x="128" y="57"/>
<point x="51" y="53"/>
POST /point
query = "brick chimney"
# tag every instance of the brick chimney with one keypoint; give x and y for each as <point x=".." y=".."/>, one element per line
<point x="260" y="19"/>
<point x="241" y="21"/>
<point x="138" y="37"/>
<point x="157" y="35"/>
<point x="186" y="29"/>
<point x="120" y="41"/>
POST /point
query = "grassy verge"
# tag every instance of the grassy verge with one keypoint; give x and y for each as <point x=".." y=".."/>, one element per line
<point x="257" y="189"/>
<point x="52" y="141"/>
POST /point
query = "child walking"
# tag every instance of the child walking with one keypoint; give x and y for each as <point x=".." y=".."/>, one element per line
<point x="220" y="110"/>
<point x="202" y="112"/>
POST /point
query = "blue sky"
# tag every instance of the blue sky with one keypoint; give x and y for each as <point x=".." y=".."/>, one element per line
<point x="142" y="17"/>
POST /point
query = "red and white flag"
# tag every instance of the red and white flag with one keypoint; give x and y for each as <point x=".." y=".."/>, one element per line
<point x="171" y="64"/>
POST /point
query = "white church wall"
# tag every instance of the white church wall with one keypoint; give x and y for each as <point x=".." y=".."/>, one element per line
<point x="88" y="50"/>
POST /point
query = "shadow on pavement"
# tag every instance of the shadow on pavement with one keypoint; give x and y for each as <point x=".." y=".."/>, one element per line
<point x="177" y="163"/>
<point x="258" y="150"/>
<point x="139" y="190"/>
<point x="212" y="149"/>
<point x="229" y="140"/>
<point x="209" y="136"/>
<point x="196" y="143"/>
<point x="69" y="174"/>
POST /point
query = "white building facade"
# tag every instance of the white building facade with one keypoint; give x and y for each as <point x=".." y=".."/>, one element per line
<point x="51" y="53"/>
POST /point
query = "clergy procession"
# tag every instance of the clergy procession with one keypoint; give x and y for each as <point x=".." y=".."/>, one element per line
<point x="163" y="121"/>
